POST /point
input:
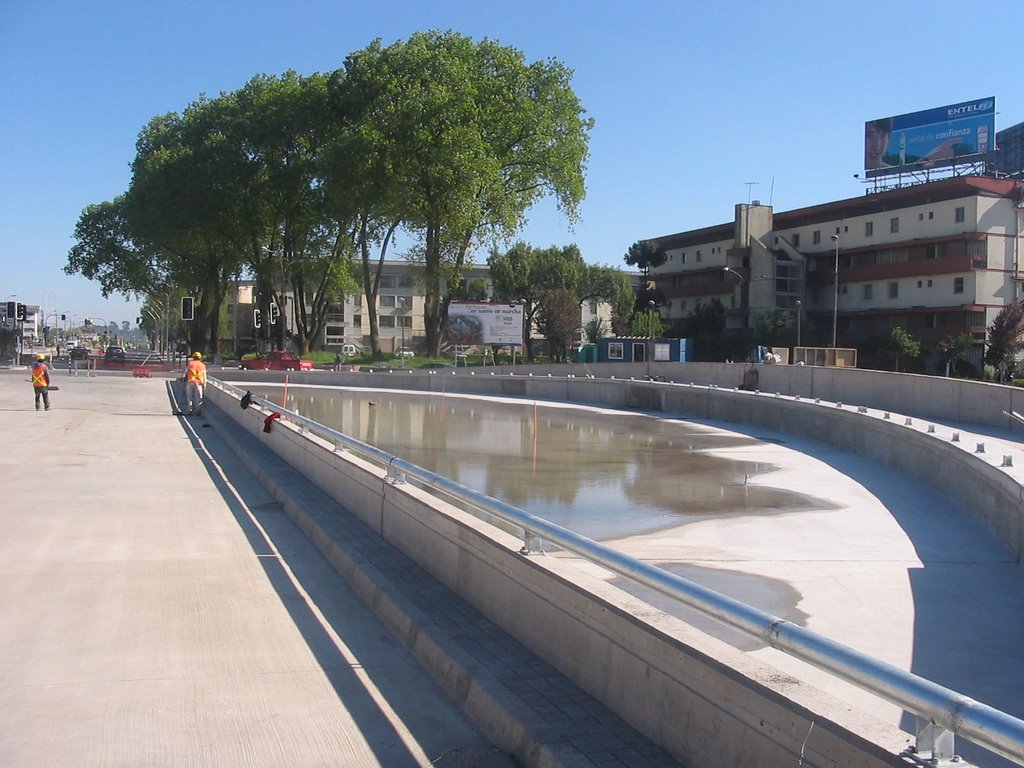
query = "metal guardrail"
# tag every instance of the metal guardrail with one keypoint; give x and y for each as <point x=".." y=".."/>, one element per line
<point x="941" y="712"/>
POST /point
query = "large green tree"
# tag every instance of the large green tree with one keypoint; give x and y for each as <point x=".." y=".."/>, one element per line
<point x="646" y="255"/>
<point x="183" y="201"/>
<point x="474" y="136"/>
<point x="299" y="242"/>
<point x="527" y="275"/>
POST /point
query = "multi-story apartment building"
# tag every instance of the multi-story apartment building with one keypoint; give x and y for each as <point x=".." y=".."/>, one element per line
<point x="939" y="259"/>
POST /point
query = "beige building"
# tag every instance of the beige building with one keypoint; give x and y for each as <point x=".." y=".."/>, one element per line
<point x="939" y="259"/>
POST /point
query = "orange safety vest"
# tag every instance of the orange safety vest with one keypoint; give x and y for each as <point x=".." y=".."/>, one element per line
<point x="40" y="376"/>
<point x="196" y="372"/>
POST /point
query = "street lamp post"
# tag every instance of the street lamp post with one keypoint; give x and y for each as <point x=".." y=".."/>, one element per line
<point x="835" y="295"/>
<point x="799" y="311"/>
<point x="403" y="310"/>
<point x="650" y="336"/>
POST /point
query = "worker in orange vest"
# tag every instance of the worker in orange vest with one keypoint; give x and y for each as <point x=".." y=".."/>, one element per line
<point x="195" y="381"/>
<point x="41" y="381"/>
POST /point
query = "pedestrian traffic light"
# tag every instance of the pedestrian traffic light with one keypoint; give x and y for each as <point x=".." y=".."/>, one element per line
<point x="188" y="308"/>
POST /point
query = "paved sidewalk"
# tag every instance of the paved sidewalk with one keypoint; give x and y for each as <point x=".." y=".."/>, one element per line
<point x="159" y="609"/>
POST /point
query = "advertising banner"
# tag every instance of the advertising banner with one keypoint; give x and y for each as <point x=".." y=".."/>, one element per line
<point x="929" y="139"/>
<point x="471" y="322"/>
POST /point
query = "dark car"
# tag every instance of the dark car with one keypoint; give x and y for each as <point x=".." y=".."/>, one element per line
<point x="115" y="355"/>
<point x="79" y="353"/>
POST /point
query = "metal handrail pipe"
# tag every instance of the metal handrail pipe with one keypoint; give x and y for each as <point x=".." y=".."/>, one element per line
<point x="979" y="723"/>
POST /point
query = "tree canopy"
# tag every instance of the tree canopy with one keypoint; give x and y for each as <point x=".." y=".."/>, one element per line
<point x="289" y="178"/>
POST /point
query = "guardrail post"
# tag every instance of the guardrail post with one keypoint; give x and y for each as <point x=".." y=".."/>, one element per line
<point x="394" y="477"/>
<point x="935" y="742"/>
<point x="527" y="538"/>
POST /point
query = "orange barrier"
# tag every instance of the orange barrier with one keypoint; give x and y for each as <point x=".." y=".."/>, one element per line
<point x="142" y="372"/>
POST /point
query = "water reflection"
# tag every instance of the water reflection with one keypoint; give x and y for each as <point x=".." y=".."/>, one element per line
<point x="604" y="476"/>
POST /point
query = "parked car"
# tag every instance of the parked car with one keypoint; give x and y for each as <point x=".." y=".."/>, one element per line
<point x="115" y="355"/>
<point x="277" y="360"/>
<point x="405" y="352"/>
<point x="79" y="353"/>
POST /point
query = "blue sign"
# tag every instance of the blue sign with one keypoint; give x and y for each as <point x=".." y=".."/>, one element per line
<point x="931" y="138"/>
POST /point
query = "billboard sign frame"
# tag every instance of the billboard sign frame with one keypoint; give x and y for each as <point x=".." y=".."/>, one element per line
<point x="931" y="138"/>
<point x="478" y="322"/>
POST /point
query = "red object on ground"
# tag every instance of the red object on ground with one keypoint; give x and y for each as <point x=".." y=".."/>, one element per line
<point x="142" y="372"/>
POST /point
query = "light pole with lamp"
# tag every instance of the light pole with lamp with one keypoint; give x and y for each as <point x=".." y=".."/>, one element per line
<point x="731" y="271"/>
<point x="650" y="336"/>
<point x="799" y="311"/>
<point x="835" y="295"/>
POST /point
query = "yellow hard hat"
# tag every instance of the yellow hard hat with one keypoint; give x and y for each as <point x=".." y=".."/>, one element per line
<point x="40" y="357"/>
<point x="197" y="355"/>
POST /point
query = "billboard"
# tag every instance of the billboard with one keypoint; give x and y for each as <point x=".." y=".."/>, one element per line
<point x="929" y="139"/>
<point x="472" y="322"/>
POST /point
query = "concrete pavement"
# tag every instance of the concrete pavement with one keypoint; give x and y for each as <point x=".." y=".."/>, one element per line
<point x="158" y="608"/>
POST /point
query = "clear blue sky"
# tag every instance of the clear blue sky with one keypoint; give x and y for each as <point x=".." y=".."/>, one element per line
<point x="692" y="100"/>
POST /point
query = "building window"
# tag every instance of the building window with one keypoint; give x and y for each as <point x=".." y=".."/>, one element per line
<point x="920" y="217"/>
<point x="387" y="302"/>
<point x="931" y="215"/>
<point x="961" y="215"/>
<point x="386" y="321"/>
<point x="869" y="228"/>
<point x="869" y="291"/>
<point x="699" y="257"/>
<point x="816" y="237"/>
<point x="958" y="285"/>
<point x="894" y="290"/>
<point x="796" y="239"/>
<point x="387" y="281"/>
<point x="894" y="224"/>
<point x="682" y="257"/>
<point x="615" y="350"/>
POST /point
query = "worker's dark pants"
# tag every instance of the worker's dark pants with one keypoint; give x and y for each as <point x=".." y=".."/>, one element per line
<point x="43" y="392"/>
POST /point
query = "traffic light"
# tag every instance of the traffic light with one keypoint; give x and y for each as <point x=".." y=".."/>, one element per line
<point x="188" y="308"/>
<point x="275" y="313"/>
<point x="257" y="319"/>
<point x="21" y="313"/>
<point x="12" y="309"/>
<point x="63" y="318"/>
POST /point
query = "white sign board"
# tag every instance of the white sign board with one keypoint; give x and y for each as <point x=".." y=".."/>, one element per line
<point x="471" y="322"/>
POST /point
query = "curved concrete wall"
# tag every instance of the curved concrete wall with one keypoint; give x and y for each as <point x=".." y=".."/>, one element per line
<point x="703" y="701"/>
<point x="785" y="401"/>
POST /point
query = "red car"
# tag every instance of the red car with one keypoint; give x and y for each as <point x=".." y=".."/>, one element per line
<point x="277" y="360"/>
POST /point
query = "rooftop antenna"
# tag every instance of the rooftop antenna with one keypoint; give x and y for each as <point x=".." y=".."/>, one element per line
<point x="771" y="192"/>
<point x="749" y="185"/>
